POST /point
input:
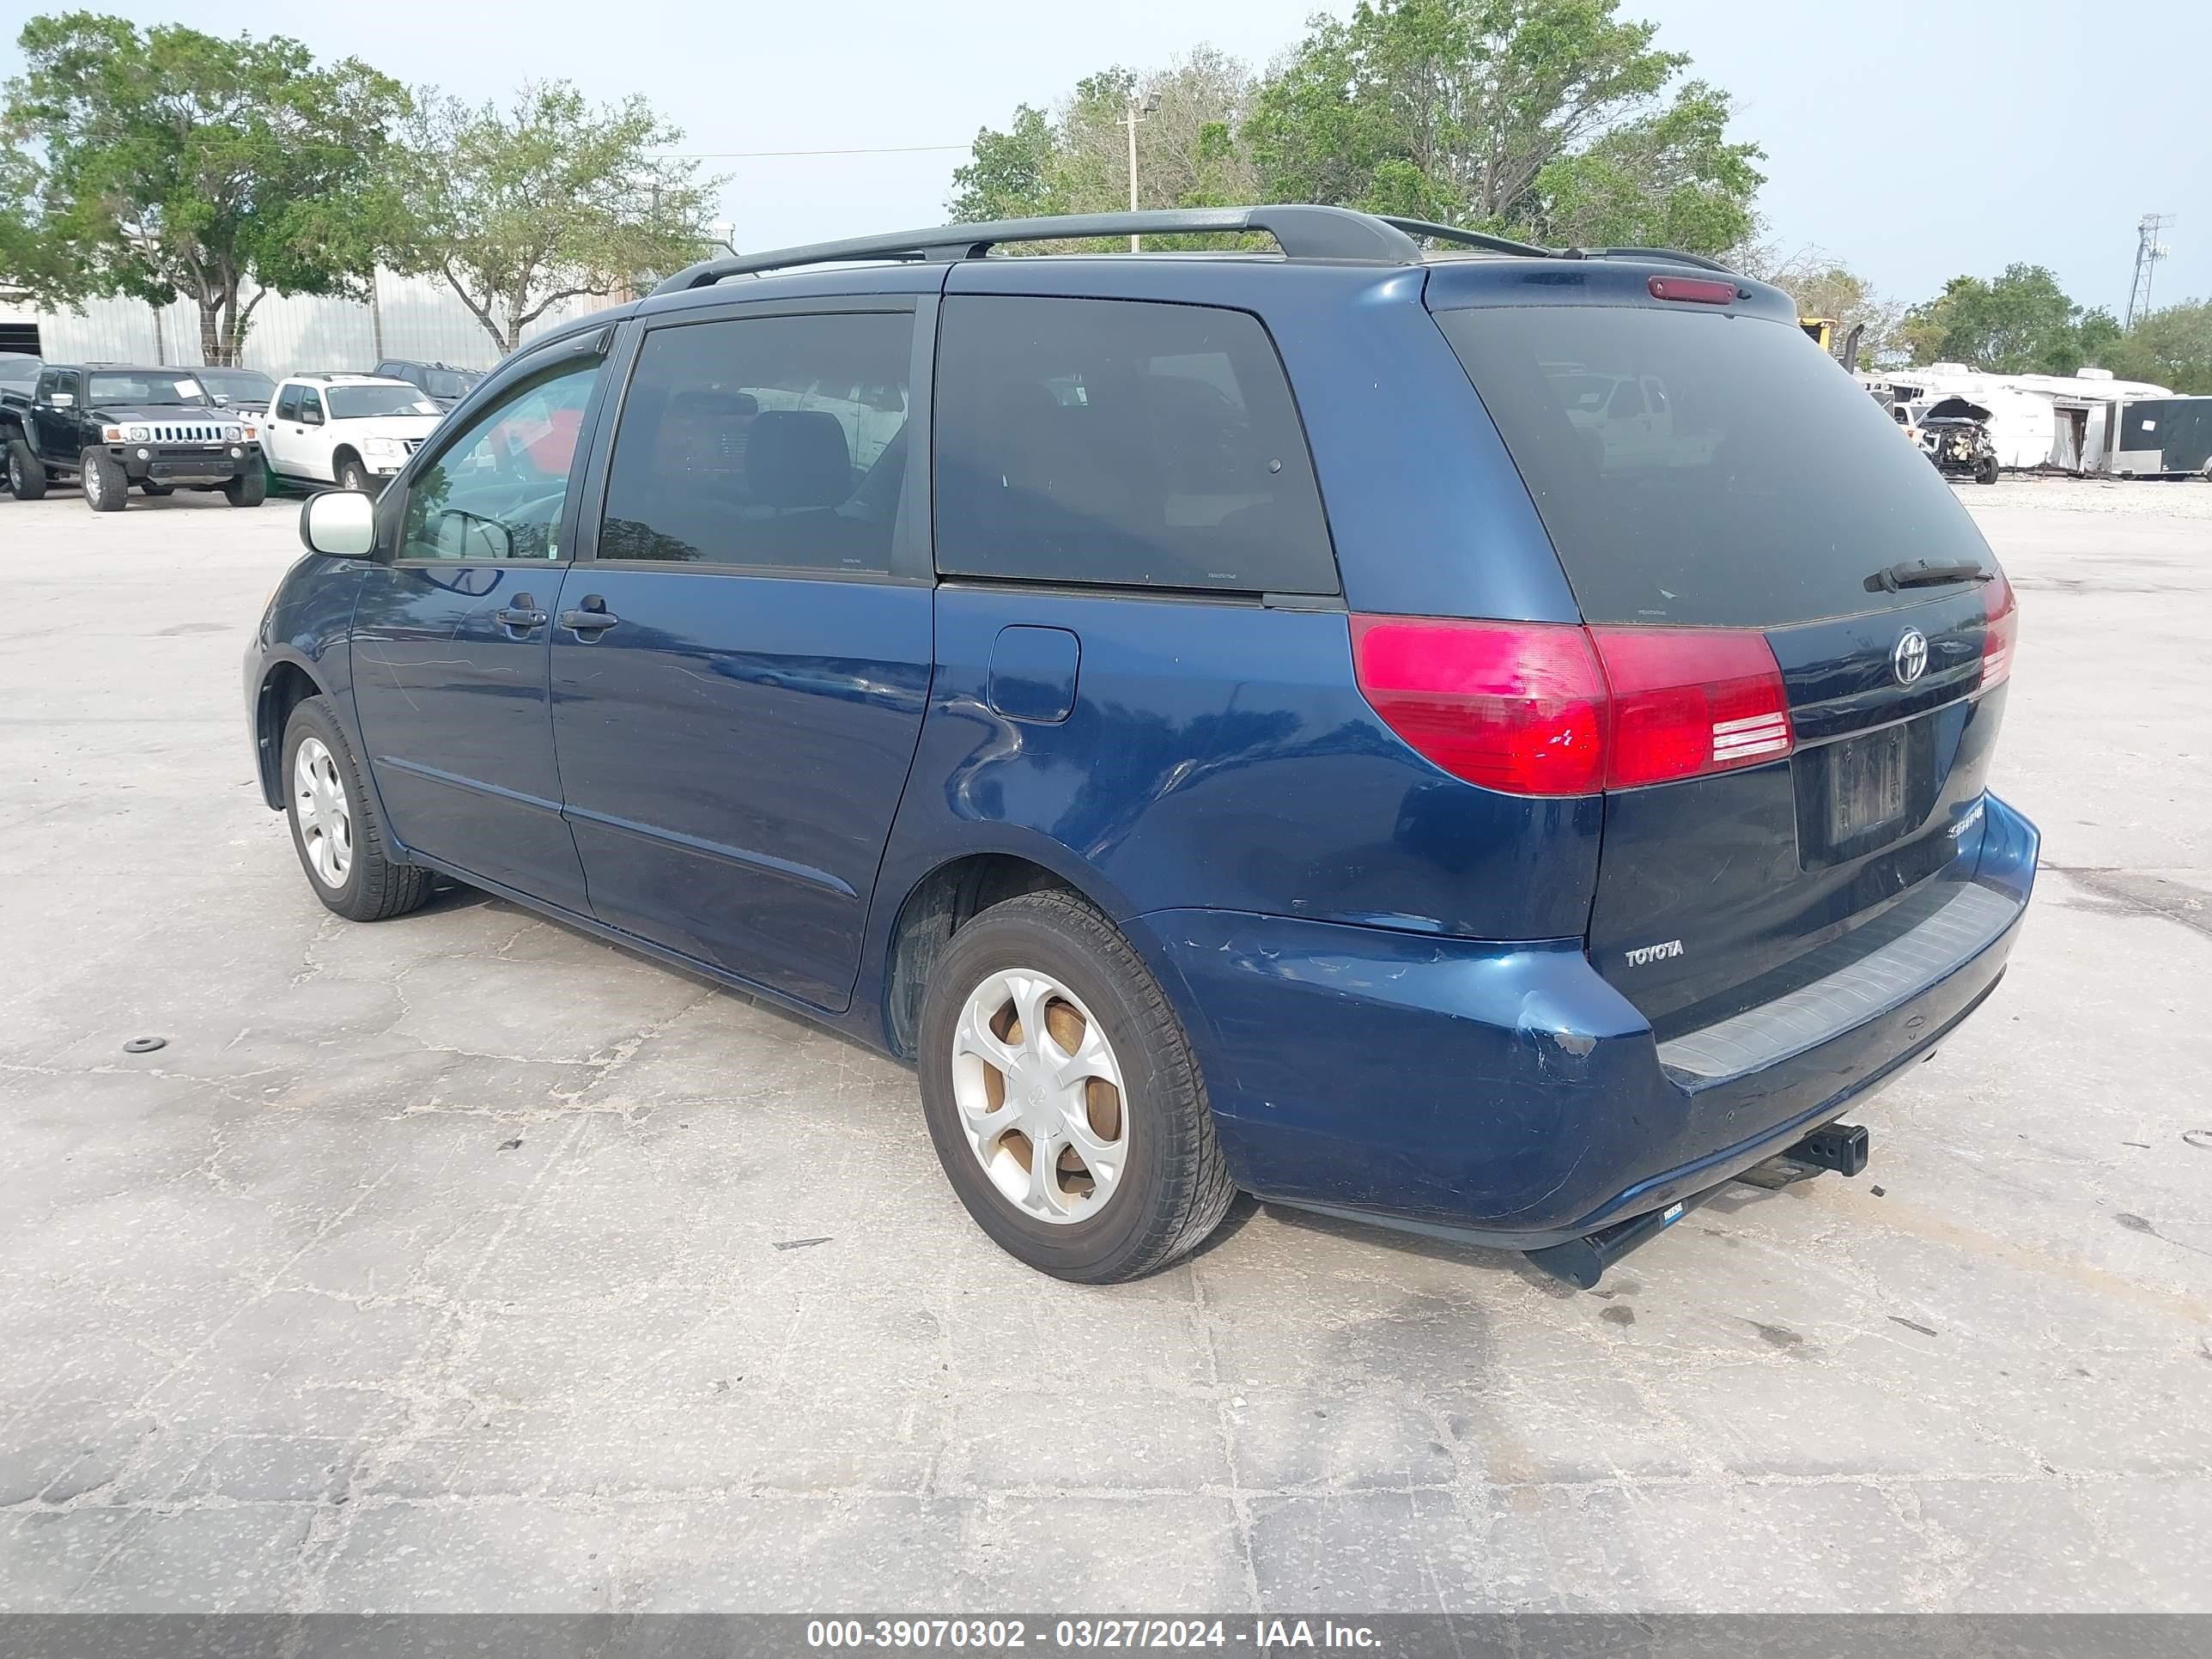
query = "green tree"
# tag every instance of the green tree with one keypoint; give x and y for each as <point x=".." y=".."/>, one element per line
<point x="2020" y="323"/>
<point x="22" y="246"/>
<point x="1554" y="119"/>
<point x="549" y="199"/>
<point x="1011" y="174"/>
<point x="2172" y="347"/>
<point x="1075" y="160"/>
<point x="174" y="162"/>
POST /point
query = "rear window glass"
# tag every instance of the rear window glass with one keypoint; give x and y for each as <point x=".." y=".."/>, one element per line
<point x="1699" y="468"/>
<point x="1121" y="441"/>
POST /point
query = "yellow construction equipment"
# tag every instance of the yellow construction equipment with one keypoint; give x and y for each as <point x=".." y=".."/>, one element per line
<point x="1829" y="334"/>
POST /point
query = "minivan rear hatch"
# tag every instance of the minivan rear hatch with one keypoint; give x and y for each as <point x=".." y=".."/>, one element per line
<point x="1706" y="473"/>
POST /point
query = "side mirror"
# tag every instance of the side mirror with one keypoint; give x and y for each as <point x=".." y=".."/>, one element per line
<point x="63" y="400"/>
<point x="221" y="400"/>
<point x="311" y="417"/>
<point x="339" y="524"/>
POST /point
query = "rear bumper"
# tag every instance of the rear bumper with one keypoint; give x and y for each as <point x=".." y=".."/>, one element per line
<point x="1505" y="1090"/>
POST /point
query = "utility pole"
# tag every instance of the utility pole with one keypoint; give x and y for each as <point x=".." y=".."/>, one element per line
<point x="1129" y="119"/>
<point x="375" y="317"/>
<point x="2148" y="252"/>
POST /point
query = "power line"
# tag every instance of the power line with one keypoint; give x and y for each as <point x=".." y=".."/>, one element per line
<point x="758" y="155"/>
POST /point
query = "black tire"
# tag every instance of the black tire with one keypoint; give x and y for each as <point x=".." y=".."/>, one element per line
<point x="107" y="485"/>
<point x="27" y="479"/>
<point x="247" y="489"/>
<point x="1987" y="471"/>
<point x="157" y="491"/>
<point x="375" y="888"/>
<point x="1175" y="1188"/>
<point x="352" y="475"/>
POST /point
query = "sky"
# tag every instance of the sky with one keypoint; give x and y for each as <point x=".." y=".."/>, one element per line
<point x="1917" y="141"/>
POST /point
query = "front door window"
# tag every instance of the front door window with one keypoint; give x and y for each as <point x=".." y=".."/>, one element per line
<point x="495" y="490"/>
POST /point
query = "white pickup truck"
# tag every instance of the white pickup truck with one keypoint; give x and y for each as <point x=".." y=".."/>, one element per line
<point x="350" y="430"/>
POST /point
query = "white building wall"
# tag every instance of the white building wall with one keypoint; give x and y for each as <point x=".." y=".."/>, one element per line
<point x="423" y="319"/>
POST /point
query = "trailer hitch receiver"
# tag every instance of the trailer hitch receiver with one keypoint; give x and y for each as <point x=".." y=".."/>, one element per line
<point x="1841" y="1147"/>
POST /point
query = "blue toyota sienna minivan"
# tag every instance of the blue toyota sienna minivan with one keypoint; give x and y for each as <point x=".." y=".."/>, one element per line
<point x="1468" y="735"/>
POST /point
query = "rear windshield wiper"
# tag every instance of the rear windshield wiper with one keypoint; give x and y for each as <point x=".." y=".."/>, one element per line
<point x="1891" y="578"/>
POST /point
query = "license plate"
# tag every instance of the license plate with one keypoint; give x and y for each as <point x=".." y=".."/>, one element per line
<point x="1866" y="783"/>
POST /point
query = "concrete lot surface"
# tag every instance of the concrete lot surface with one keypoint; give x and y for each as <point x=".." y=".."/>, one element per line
<point x="463" y="1262"/>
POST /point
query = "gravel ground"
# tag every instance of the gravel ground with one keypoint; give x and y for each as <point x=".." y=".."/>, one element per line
<point x="2186" y="498"/>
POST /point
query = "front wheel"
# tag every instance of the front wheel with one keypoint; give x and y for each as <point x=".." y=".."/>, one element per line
<point x="157" y="491"/>
<point x="247" y="489"/>
<point x="335" y="829"/>
<point x="107" y="485"/>
<point x="352" y="475"/>
<point x="1061" y="1093"/>
<point x="27" y="478"/>
<point x="1986" y="472"/>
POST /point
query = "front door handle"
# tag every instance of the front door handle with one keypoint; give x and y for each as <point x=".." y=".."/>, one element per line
<point x="594" y="618"/>
<point x="523" y="614"/>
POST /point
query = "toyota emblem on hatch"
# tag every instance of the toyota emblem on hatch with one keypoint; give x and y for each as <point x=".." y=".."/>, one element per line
<point x="1910" y="660"/>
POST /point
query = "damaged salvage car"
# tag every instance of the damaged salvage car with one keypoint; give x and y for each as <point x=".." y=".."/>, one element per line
<point x="1956" y="434"/>
<point x="1435" y="737"/>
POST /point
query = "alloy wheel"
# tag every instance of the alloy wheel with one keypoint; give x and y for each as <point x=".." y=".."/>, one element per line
<point x="1040" y="1096"/>
<point x="324" y="816"/>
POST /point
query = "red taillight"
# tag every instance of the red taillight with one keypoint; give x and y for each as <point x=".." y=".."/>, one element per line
<point x="1518" y="707"/>
<point x="1698" y="289"/>
<point x="2002" y="634"/>
<point x="1550" y="709"/>
<point x="1690" y="700"/>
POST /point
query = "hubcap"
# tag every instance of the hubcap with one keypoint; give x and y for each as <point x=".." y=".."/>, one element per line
<point x="320" y="807"/>
<point x="1040" y="1096"/>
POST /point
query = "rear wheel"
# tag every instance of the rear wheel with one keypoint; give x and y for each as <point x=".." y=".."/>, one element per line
<point x="1061" y="1093"/>
<point x="247" y="489"/>
<point x="107" y="485"/>
<point x="335" y="829"/>
<point x="27" y="479"/>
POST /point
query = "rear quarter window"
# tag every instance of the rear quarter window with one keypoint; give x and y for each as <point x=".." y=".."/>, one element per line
<point x="1697" y="467"/>
<point x="1121" y="442"/>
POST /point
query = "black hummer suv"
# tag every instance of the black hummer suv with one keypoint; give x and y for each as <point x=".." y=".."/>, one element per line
<point x="112" y="425"/>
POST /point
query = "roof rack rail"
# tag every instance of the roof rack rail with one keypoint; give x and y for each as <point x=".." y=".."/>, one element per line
<point x="1301" y="232"/>
<point x="1481" y="239"/>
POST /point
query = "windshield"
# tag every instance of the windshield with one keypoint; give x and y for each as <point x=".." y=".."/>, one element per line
<point x="448" y="382"/>
<point x="151" y="387"/>
<point x="356" y="403"/>
<point x="19" y="371"/>
<point x="1697" y="467"/>
<point x="240" y="386"/>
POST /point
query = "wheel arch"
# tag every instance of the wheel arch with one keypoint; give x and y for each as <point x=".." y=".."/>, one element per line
<point x="286" y="683"/>
<point x="940" y="900"/>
